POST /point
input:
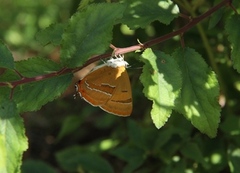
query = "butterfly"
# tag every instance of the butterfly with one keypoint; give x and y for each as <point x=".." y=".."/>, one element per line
<point x="108" y="87"/>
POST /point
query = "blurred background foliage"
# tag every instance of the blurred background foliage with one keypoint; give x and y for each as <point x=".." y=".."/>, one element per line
<point x="69" y="135"/>
<point x="22" y="19"/>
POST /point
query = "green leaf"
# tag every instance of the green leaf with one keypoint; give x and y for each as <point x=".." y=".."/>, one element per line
<point x="9" y="75"/>
<point x="234" y="159"/>
<point x="13" y="141"/>
<point x="233" y="27"/>
<point x="163" y="137"/>
<point x="70" y="125"/>
<point x="200" y="90"/>
<point x="142" y="13"/>
<point x="84" y="3"/>
<point x="51" y="34"/>
<point x="135" y="133"/>
<point x="236" y="3"/>
<point x="215" y="18"/>
<point x="31" y="166"/>
<point x="34" y="93"/>
<point x="132" y="155"/>
<point x="143" y="138"/>
<point x="192" y="151"/>
<point x="177" y="167"/>
<point x="161" y="79"/>
<point x="89" y="33"/>
<point x="74" y="159"/>
<point x="6" y="58"/>
<point x="231" y="125"/>
<point x="32" y="96"/>
<point x="36" y="66"/>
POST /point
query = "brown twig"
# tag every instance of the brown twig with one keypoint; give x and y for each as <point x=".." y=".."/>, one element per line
<point x="116" y="51"/>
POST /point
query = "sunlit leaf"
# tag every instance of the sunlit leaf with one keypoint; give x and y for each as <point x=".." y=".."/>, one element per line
<point x="89" y="32"/>
<point x="13" y="141"/>
<point x="161" y="79"/>
<point x="142" y="12"/>
<point x="199" y="94"/>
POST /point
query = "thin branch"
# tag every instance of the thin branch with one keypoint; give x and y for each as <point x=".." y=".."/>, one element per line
<point x="182" y="41"/>
<point x="188" y="26"/>
<point x="234" y="9"/>
<point x="116" y="51"/>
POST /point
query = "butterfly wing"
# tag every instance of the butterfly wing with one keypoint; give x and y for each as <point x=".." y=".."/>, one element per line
<point x="109" y="88"/>
<point x="121" y="101"/>
<point x="95" y="87"/>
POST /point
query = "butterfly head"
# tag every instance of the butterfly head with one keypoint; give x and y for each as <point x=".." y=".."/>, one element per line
<point x="118" y="61"/>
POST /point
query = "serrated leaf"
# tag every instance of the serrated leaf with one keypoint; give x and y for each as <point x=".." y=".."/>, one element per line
<point x="142" y="13"/>
<point x="32" y="96"/>
<point x="233" y="27"/>
<point x="51" y="34"/>
<point x="33" y="67"/>
<point x="73" y="159"/>
<point x="89" y="32"/>
<point x="161" y="79"/>
<point x="6" y="58"/>
<point x="200" y="90"/>
<point x="11" y="130"/>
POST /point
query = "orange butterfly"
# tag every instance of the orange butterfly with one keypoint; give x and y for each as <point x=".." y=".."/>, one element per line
<point x="108" y="87"/>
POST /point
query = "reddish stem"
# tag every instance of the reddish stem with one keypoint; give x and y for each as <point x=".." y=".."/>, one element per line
<point x="116" y="51"/>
